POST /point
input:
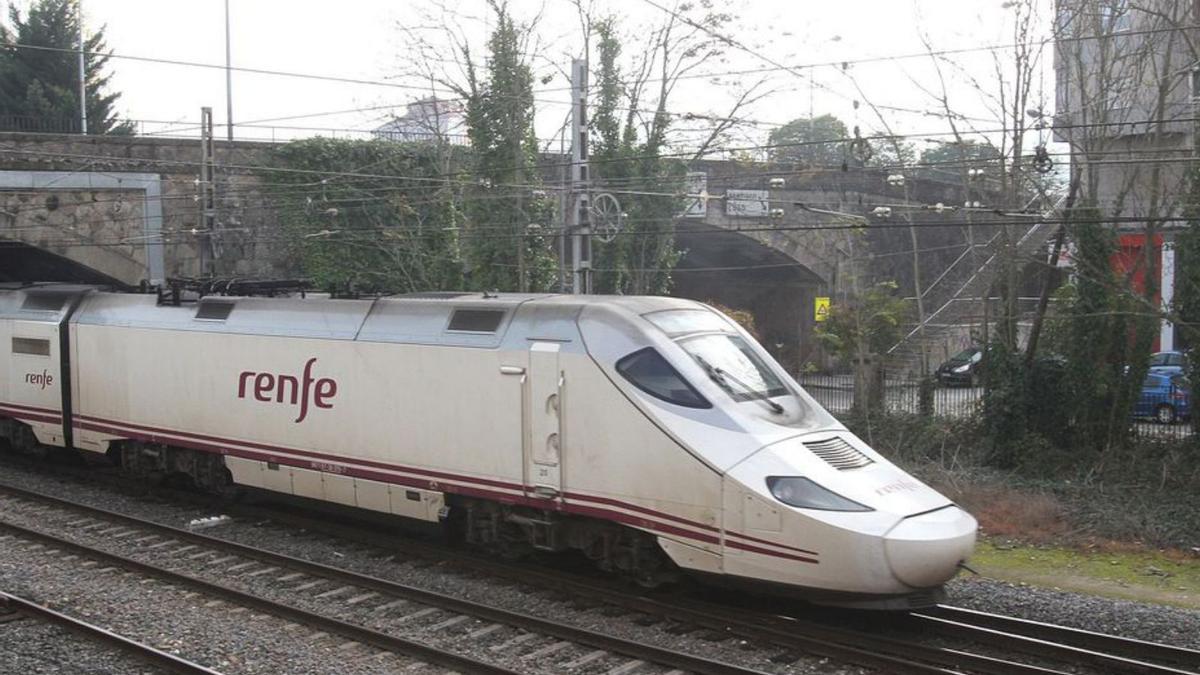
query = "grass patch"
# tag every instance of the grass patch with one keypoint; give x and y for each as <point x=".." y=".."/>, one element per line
<point x="1108" y="569"/>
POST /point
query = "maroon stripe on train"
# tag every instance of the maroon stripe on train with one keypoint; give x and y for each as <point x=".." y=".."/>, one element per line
<point x="220" y="445"/>
<point x="204" y="438"/>
<point x="35" y="417"/>
<point x="30" y="408"/>
<point x="641" y="509"/>
<point x="458" y="489"/>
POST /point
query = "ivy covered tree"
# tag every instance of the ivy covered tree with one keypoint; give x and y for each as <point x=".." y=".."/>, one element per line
<point x="504" y="244"/>
<point x="39" y="88"/>
<point x="639" y="261"/>
<point x="390" y="233"/>
<point x="1187" y="279"/>
<point x="1111" y="333"/>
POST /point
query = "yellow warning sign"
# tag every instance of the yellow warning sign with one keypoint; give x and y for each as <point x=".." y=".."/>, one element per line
<point x="821" y="309"/>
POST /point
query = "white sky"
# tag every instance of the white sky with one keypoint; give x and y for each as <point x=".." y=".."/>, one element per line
<point x="362" y="39"/>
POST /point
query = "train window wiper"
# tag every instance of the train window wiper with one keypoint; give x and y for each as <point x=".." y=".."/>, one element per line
<point x="724" y="377"/>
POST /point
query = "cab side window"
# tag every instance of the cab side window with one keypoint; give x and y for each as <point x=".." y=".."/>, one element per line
<point x="647" y="370"/>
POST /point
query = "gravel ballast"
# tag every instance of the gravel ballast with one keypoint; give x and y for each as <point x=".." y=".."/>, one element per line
<point x="28" y="645"/>
<point x="1154" y="623"/>
<point x="210" y="632"/>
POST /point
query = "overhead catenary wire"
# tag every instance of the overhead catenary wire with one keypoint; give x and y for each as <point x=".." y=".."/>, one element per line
<point x="542" y="165"/>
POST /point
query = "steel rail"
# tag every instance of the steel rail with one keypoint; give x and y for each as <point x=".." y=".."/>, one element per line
<point x="139" y="650"/>
<point x="847" y="650"/>
<point x="350" y="631"/>
<point x="594" y="639"/>
<point x="1130" y="647"/>
<point x="1112" y="663"/>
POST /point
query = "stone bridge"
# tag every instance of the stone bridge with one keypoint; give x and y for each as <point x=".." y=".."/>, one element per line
<point x="126" y="209"/>
<point x="123" y="209"/>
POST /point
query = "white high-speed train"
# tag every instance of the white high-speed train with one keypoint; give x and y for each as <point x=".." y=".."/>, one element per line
<point x="652" y="434"/>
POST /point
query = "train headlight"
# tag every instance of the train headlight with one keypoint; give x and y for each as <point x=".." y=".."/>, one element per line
<point x="804" y="493"/>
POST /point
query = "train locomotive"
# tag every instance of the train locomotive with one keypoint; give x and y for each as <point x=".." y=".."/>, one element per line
<point x="652" y="434"/>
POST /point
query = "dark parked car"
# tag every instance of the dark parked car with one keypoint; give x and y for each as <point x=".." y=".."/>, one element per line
<point x="1165" y="398"/>
<point x="1168" y="363"/>
<point x="964" y="368"/>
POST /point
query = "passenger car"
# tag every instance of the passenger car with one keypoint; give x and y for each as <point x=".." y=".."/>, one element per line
<point x="1165" y="398"/>
<point x="964" y="368"/>
<point x="1167" y="363"/>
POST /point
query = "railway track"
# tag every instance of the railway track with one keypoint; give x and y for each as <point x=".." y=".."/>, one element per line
<point x="12" y="606"/>
<point x="985" y="643"/>
<point x="1109" y="652"/>
<point x="157" y="548"/>
<point x="943" y="640"/>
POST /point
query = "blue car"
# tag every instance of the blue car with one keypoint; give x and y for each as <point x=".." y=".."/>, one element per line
<point x="1165" y="398"/>
<point x="1168" y="363"/>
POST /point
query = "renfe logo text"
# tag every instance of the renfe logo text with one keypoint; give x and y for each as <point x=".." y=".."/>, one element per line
<point x="43" y="379"/>
<point x="289" y="389"/>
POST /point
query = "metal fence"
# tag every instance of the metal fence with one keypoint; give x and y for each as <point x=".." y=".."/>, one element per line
<point x="903" y="395"/>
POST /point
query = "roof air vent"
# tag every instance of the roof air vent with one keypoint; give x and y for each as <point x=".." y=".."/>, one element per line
<point x="214" y="310"/>
<point x="839" y="454"/>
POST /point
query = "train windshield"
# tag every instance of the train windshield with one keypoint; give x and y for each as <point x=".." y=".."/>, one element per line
<point x="730" y="358"/>
<point x="679" y="322"/>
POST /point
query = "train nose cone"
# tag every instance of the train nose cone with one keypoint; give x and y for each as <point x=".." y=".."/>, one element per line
<point x="924" y="550"/>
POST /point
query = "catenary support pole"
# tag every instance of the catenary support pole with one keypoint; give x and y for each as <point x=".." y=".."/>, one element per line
<point x="82" y="72"/>
<point x="207" y="191"/>
<point x="580" y="204"/>
<point x="228" y="78"/>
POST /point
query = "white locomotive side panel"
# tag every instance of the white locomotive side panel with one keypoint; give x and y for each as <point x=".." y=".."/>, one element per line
<point x="386" y="412"/>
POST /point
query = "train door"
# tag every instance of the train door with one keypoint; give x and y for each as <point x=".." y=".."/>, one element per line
<point x="544" y="430"/>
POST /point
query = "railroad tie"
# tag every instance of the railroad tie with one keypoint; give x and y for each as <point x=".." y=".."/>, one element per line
<point x="359" y="598"/>
<point x="486" y="630"/>
<point x="417" y="615"/>
<point x="627" y="667"/>
<point x="335" y="592"/>
<point x="264" y="570"/>
<point x="513" y="642"/>
<point x="546" y="651"/>
<point x="385" y="607"/>
<point x="586" y="659"/>
<point x="453" y="621"/>
<point x="165" y="542"/>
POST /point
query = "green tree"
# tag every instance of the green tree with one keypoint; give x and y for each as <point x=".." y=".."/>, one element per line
<point x="860" y="332"/>
<point x="815" y="141"/>
<point x="1187" y="279"/>
<point x="392" y="233"/>
<point x="506" y="213"/>
<point x="640" y="259"/>
<point x="954" y="156"/>
<point x="1111" y="335"/>
<point x="39" y="89"/>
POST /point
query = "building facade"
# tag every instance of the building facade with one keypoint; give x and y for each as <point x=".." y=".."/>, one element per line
<point x="1125" y="77"/>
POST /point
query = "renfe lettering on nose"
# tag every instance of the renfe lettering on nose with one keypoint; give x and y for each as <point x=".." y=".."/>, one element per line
<point x="288" y="389"/>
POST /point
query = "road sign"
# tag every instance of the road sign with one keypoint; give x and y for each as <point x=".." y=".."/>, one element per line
<point x="821" y="309"/>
